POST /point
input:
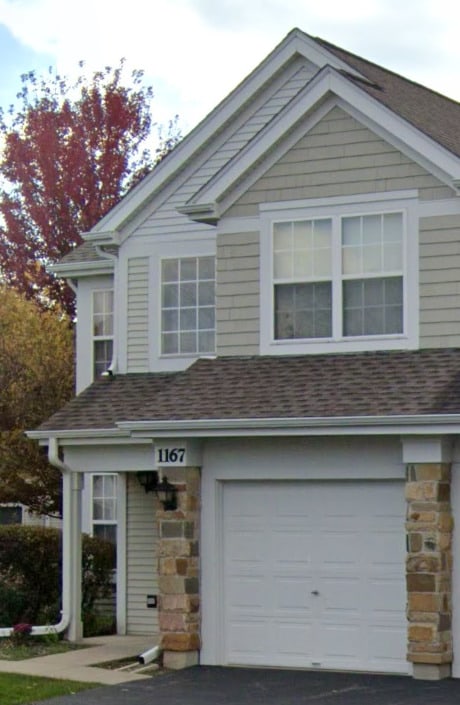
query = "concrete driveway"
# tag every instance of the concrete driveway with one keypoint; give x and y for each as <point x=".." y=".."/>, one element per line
<point x="207" y="685"/>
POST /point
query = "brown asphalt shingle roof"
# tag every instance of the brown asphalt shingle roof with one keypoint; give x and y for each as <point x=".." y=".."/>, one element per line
<point x="83" y="253"/>
<point x="423" y="382"/>
<point x="432" y="113"/>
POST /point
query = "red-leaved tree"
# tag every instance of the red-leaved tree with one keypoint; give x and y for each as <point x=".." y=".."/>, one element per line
<point x="69" y="154"/>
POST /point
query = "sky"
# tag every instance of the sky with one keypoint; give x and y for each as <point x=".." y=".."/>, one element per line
<point x="194" y="52"/>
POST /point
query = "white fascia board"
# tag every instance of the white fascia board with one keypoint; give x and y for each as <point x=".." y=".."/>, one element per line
<point x="320" y="426"/>
<point x="103" y="237"/>
<point x="295" y="43"/>
<point x="85" y="434"/>
<point x="83" y="269"/>
<point x="355" y="101"/>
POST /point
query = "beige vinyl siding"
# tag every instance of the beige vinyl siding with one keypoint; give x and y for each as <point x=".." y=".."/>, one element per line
<point x="138" y="315"/>
<point x="233" y="138"/>
<point x="141" y="559"/>
<point x="338" y="157"/>
<point x="237" y="299"/>
<point x="440" y="282"/>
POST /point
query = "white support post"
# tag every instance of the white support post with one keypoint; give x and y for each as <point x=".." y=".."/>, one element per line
<point x="72" y="553"/>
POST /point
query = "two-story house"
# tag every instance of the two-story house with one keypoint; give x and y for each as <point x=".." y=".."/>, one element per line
<point x="279" y="306"/>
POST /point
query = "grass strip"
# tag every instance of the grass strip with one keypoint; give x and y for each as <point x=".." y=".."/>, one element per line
<point x="17" y="689"/>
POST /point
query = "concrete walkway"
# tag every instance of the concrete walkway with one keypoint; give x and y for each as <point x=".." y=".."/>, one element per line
<point x="81" y="664"/>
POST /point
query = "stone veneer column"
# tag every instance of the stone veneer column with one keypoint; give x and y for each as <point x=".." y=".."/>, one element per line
<point x="179" y="598"/>
<point x="429" y="569"/>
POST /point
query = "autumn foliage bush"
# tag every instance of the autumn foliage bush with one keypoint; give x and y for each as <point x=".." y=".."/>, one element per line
<point x="30" y="574"/>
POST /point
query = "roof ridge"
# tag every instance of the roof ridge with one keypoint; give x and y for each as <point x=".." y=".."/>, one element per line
<point x="331" y="46"/>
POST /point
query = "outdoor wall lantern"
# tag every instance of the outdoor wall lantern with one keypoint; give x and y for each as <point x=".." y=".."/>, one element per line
<point x="166" y="492"/>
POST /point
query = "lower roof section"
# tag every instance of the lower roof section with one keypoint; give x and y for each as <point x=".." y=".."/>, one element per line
<point x="422" y="383"/>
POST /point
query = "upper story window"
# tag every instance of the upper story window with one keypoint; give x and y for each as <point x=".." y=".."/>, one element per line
<point x="188" y="306"/>
<point x="341" y="281"/>
<point x="102" y="327"/>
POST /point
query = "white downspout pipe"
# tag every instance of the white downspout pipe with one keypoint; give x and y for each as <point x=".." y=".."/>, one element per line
<point x="71" y="542"/>
<point x="64" y="622"/>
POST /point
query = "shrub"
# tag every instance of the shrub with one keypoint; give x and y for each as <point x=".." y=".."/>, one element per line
<point x="13" y="604"/>
<point x="30" y="574"/>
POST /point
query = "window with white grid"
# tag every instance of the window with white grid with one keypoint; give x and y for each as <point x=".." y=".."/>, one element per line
<point x="188" y="305"/>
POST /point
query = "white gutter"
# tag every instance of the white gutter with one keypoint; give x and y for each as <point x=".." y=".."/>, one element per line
<point x="80" y="269"/>
<point x="440" y="424"/>
<point x="65" y="612"/>
<point x="135" y="431"/>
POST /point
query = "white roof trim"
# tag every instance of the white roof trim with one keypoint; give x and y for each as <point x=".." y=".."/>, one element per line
<point x="111" y="433"/>
<point x="81" y="269"/>
<point x="359" y="425"/>
<point x="328" y="82"/>
<point x="296" y="42"/>
<point x="102" y="237"/>
<point x="136" y="431"/>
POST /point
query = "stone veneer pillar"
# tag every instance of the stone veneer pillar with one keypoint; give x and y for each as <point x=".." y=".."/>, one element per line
<point x="178" y="573"/>
<point x="429" y="569"/>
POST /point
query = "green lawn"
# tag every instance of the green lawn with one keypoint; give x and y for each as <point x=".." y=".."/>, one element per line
<point x="17" y="689"/>
<point x="33" y="647"/>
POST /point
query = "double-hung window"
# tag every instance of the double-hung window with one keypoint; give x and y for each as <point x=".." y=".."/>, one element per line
<point x="102" y="330"/>
<point x="104" y="507"/>
<point x="338" y="281"/>
<point x="188" y="306"/>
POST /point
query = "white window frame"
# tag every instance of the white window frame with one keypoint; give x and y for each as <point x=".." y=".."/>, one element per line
<point x="105" y="522"/>
<point x="100" y="338"/>
<point x="405" y="202"/>
<point x="194" y="354"/>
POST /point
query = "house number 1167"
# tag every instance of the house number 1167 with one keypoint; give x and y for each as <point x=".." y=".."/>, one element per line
<point x="170" y="456"/>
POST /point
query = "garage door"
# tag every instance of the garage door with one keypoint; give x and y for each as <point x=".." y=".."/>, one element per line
<point x="313" y="575"/>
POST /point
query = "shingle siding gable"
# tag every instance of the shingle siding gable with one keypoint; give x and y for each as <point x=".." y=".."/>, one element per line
<point x="337" y="157"/>
<point x="166" y="218"/>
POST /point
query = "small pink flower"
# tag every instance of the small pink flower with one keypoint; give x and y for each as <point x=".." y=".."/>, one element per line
<point x="22" y="628"/>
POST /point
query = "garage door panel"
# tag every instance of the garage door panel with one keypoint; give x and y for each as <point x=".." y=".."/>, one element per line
<point x="339" y="549"/>
<point x="385" y="595"/>
<point x="248" y="639"/>
<point x="387" y="645"/>
<point x="340" y="595"/>
<point x="291" y="594"/>
<point x="343" y="541"/>
<point x="293" y="639"/>
<point x="245" y="546"/>
<point x="291" y="549"/>
<point x="340" y="643"/>
<point x="248" y="593"/>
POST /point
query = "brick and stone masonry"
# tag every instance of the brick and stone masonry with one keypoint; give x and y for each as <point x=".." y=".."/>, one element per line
<point x="429" y="528"/>
<point x="178" y="571"/>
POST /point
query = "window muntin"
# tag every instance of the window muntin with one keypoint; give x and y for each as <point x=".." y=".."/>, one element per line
<point x="345" y="277"/>
<point x="188" y="305"/>
<point x="104" y="507"/>
<point x="102" y="330"/>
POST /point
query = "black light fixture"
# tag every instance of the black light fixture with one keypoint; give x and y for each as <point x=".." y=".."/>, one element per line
<point x="166" y="492"/>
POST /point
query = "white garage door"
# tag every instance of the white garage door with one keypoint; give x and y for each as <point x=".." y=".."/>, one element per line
<point x="313" y="575"/>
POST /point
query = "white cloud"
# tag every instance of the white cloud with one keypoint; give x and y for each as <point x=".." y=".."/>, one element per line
<point x="195" y="51"/>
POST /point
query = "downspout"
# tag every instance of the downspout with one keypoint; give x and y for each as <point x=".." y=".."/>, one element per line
<point x="108" y="255"/>
<point x="64" y="622"/>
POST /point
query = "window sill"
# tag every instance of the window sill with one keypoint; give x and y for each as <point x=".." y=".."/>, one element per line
<point x="328" y="345"/>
